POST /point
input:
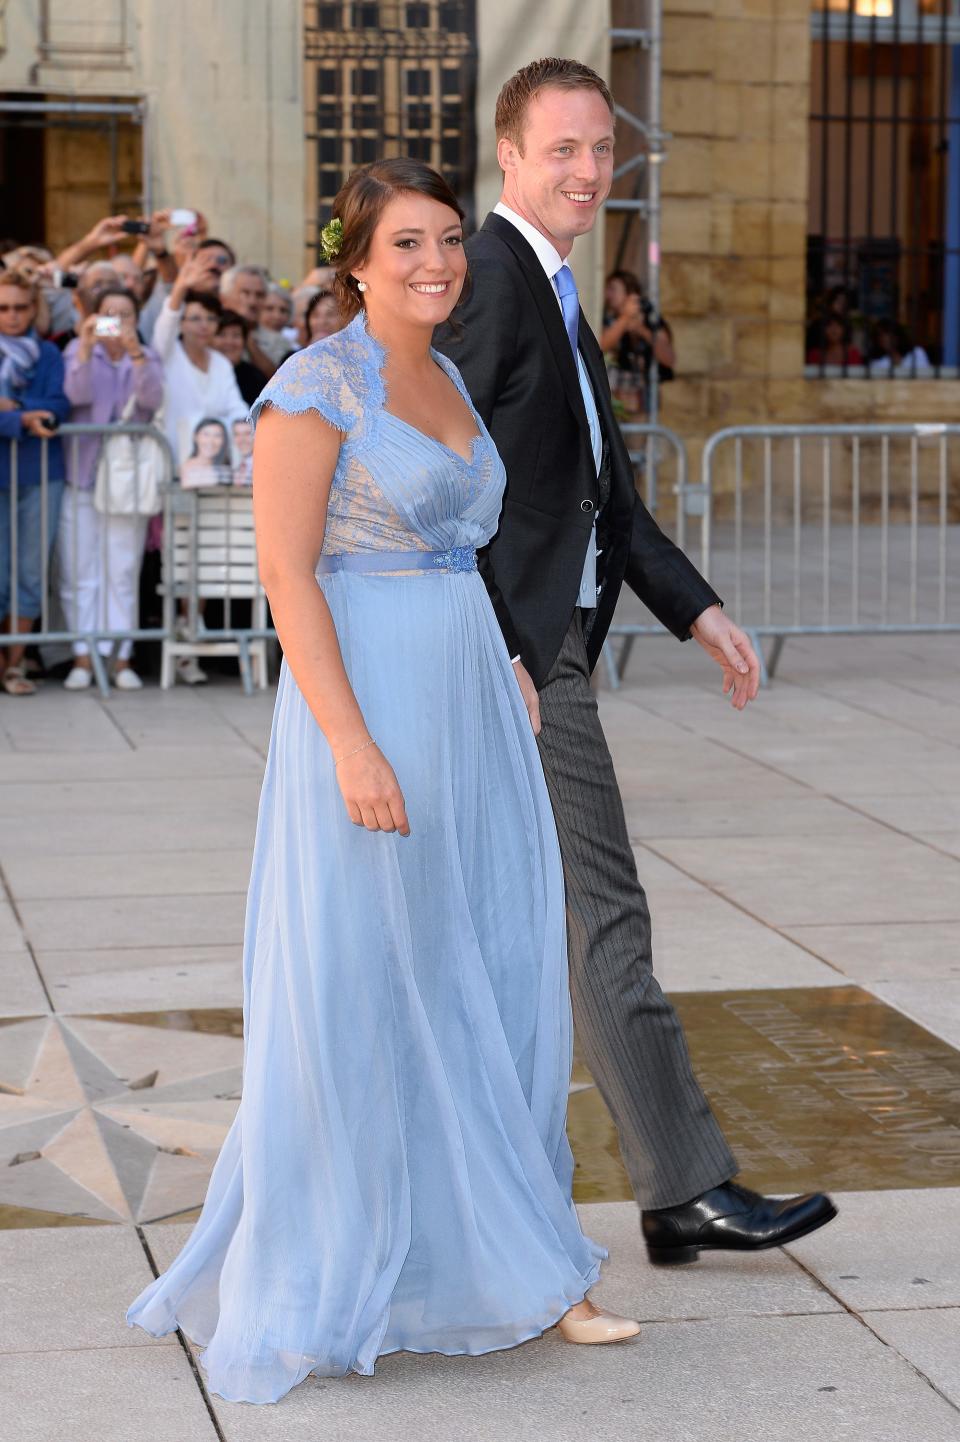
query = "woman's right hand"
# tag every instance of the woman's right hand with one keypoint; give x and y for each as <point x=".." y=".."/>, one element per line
<point x="371" y="792"/>
<point x="196" y="272"/>
<point x="528" y="691"/>
<point x="87" y="335"/>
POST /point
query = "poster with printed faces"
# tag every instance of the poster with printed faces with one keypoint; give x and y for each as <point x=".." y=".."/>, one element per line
<point x="216" y="451"/>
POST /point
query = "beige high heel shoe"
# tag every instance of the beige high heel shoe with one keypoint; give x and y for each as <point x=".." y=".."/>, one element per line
<point x="600" y="1328"/>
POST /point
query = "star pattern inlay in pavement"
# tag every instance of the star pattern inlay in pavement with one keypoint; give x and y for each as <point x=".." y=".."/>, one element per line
<point x="109" y="1120"/>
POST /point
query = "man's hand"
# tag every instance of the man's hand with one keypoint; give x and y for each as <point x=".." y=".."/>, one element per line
<point x="529" y="693"/>
<point x="108" y="231"/>
<point x="198" y="272"/>
<point x="726" y="644"/>
<point x="156" y="237"/>
<point x="41" y="424"/>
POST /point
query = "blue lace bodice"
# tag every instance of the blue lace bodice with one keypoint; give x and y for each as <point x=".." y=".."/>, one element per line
<point x="394" y="488"/>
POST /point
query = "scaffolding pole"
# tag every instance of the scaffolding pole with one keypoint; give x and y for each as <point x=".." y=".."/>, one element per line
<point x="645" y="42"/>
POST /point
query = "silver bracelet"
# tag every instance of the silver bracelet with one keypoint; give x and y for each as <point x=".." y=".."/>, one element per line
<point x="347" y="754"/>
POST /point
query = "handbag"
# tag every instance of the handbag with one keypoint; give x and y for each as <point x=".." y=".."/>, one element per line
<point x="130" y="472"/>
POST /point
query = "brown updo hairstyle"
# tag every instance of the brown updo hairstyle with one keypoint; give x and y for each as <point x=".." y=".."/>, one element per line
<point x="359" y="206"/>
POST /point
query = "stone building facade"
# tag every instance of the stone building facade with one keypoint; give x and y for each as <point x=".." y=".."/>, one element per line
<point x="232" y="106"/>
<point x="737" y="101"/>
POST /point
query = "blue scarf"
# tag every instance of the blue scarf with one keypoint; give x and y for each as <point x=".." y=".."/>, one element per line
<point x="19" y="355"/>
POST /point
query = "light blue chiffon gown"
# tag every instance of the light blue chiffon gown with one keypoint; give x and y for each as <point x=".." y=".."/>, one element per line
<point x="398" y="1175"/>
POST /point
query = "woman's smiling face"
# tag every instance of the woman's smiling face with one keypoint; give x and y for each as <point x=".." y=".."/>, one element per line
<point x="416" y="266"/>
<point x="210" y="440"/>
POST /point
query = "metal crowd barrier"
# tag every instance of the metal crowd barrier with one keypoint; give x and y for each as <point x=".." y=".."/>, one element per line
<point x="834" y="529"/>
<point x="644" y="442"/>
<point x="60" y="534"/>
<point x="826" y="530"/>
<point x="210" y="554"/>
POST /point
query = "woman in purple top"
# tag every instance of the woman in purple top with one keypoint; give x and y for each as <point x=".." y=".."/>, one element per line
<point x="100" y="555"/>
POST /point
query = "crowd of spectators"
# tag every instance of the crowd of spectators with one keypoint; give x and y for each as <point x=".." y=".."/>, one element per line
<point x="159" y="322"/>
<point x="152" y="321"/>
<point x="838" y="335"/>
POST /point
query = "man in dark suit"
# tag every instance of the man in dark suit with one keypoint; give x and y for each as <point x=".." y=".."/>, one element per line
<point x="572" y="530"/>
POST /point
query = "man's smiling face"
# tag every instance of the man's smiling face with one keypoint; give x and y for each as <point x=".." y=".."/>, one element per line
<point x="563" y="174"/>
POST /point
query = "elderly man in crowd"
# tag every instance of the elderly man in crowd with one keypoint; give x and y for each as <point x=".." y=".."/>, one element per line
<point x="243" y="289"/>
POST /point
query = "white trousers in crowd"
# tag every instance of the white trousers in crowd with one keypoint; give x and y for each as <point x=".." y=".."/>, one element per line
<point x="99" y="559"/>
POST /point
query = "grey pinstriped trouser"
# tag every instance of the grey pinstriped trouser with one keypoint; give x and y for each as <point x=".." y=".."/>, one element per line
<point x="627" y="1031"/>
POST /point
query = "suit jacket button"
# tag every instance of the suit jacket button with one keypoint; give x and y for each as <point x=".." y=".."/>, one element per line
<point x="586" y="506"/>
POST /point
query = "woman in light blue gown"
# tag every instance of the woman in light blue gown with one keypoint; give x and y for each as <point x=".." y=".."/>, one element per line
<point x="398" y="1175"/>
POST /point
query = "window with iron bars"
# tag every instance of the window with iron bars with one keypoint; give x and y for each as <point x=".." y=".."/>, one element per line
<point x="883" y="248"/>
<point x="389" y="77"/>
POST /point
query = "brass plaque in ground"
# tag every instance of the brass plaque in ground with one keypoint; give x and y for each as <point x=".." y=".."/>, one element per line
<point x="814" y="1087"/>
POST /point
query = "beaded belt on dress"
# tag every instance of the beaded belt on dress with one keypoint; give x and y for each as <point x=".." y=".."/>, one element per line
<point x="461" y="558"/>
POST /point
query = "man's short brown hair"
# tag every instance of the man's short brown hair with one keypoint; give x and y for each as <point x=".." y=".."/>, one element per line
<point x="520" y="89"/>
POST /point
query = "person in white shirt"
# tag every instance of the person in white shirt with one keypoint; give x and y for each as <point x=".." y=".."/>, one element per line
<point x="895" y="354"/>
<point x="199" y="380"/>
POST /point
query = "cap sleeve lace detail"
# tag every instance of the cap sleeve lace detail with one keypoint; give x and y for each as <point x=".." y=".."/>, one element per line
<point x="338" y="377"/>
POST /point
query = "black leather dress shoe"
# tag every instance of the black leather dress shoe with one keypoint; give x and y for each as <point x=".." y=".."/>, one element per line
<point x="731" y="1218"/>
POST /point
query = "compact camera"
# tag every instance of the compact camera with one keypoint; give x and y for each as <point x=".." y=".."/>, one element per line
<point x="650" y="317"/>
<point x="107" y="325"/>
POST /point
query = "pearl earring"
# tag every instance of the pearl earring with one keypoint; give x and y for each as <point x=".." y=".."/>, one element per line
<point x="361" y="285"/>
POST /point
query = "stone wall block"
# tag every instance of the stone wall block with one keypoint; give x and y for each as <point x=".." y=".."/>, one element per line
<point x="787" y="288"/>
<point x="726" y="110"/>
<point x="685" y="286"/>
<point x="688" y="169"/>
<point x="751" y="229"/>
<point x="789" y="173"/>
<point x="750" y="347"/>
<point x="791" y="115"/>
<point x="741" y="168"/>
<point x="785" y="348"/>
<point x="688" y="44"/>
<point x="756" y="112"/>
<point x="688" y="105"/>
<point x="741" y="287"/>
<point x="791" y="53"/>
<point x="686" y="227"/>
<point x="788" y="228"/>
<point x="744" y="50"/>
<point x="703" y="343"/>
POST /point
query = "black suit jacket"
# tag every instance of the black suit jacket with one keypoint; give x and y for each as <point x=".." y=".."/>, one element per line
<point x="509" y="342"/>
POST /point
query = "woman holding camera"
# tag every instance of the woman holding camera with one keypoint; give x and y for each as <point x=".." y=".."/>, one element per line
<point x="32" y="403"/>
<point x="99" y="554"/>
<point x="633" y="336"/>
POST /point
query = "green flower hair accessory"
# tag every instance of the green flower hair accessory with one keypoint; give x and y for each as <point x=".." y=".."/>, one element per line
<point x="331" y="239"/>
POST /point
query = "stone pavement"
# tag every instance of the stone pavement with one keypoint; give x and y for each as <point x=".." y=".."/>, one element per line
<point x="803" y="865"/>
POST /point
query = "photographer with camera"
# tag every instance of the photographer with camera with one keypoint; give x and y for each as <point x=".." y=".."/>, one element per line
<point x="110" y="376"/>
<point x="162" y="265"/>
<point x="32" y="405"/>
<point x="633" y="336"/>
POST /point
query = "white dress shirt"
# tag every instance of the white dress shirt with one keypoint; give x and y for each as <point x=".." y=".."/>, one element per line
<point x="551" y="261"/>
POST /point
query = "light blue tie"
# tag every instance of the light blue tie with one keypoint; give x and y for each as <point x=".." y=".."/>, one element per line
<point x="570" y="305"/>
